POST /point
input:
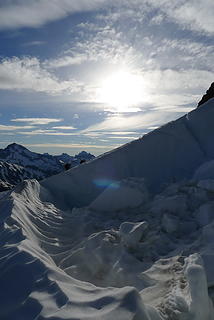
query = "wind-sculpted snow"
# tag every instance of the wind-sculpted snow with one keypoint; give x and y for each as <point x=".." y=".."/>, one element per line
<point x="87" y="245"/>
<point x="36" y="240"/>
<point x="143" y="261"/>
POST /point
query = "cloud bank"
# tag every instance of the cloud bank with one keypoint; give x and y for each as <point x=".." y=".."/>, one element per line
<point x="27" y="73"/>
<point x="35" y="13"/>
<point x="196" y="15"/>
<point x="37" y="121"/>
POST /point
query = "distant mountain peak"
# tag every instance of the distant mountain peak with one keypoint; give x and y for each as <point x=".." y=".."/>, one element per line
<point x="12" y="145"/>
<point x="84" y="155"/>
<point x="15" y="146"/>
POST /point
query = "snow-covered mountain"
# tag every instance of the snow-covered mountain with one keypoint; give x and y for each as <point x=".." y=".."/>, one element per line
<point x="18" y="163"/>
<point x="40" y="165"/>
<point x="83" y="155"/>
<point x="64" y="157"/>
<point x="127" y="236"/>
<point x="11" y="174"/>
<point x="75" y="160"/>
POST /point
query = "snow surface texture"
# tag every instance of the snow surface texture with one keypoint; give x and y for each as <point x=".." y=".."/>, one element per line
<point x="147" y="256"/>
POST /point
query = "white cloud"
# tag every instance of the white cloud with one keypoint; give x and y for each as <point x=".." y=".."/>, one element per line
<point x="62" y="134"/>
<point x="174" y="88"/>
<point x="122" y="132"/>
<point x="92" y="134"/>
<point x="139" y="121"/>
<point x="177" y="75"/>
<point x="158" y="19"/>
<point x="9" y="133"/>
<point x="37" y="121"/>
<point x="33" y="43"/>
<point x="153" y="128"/>
<point x="123" y="138"/>
<point x="187" y="46"/>
<point x="31" y="13"/>
<point x="11" y="128"/>
<point x="36" y="132"/>
<point x="106" y="44"/>
<point x="70" y="145"/>
<point x="46" y="132"/>
<point x="99" y="135"/>
<point x="196" y="14"/>
<point x="192" y="14"/>
<point x="64" y="128"/>
<point x="66" y="61"/>
<point x="183" y="52"/>
<point x="169" y="89"/>
<point x="27" y="74"/>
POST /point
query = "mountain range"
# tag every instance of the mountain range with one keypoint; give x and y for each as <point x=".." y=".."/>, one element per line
<point x="18" y="163"/>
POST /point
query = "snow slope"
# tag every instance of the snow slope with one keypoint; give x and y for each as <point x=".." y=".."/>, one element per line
<point x="167" y="154"/>
<point x="133" y="251"/>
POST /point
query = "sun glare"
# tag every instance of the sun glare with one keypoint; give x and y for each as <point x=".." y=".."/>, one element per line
<point x="122" y="91"/>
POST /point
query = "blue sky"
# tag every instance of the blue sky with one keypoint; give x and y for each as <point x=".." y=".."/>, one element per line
<point x="95" y="74"/>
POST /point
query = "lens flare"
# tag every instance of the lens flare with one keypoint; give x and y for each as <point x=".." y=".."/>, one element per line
<point x="104" y="183"/>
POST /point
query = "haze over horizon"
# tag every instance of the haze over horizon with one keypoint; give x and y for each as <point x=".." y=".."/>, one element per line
<point x="93" y="75"/>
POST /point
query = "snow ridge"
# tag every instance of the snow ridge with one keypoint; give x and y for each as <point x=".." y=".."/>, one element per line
<point x="195" y="137"/>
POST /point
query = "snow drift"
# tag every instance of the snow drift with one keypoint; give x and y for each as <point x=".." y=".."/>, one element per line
<point x="127" y="236"/>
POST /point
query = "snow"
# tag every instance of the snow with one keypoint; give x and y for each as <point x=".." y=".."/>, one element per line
<point x="3" y="194"/>
<point x="176" y="204"/>
<point x="12" y="174"/>
<point x="205" y="171"/>
<point x="207" y="185"/>
<point x="33" y="164"/>
<point x="166" y="155"/>
<point x="169" y="223"/>
<point x="131" y="233"/>
<point x="18" y="163"/>
<point x="198" y="292"/>
<point x="128" y="193"/>
<point x="127" y="236"/>
<point x="205" y="214"/>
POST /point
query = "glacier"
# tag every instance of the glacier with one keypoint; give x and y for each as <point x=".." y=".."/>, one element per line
<point x="127" y="236"/>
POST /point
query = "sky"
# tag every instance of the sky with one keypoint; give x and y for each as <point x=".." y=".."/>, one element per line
<point x="95" y="74"/>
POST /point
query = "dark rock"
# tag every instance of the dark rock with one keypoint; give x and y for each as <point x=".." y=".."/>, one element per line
<point x="209" y="95"/>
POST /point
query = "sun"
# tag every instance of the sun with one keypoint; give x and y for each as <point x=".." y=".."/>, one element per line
<point x="122" y="91"/>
